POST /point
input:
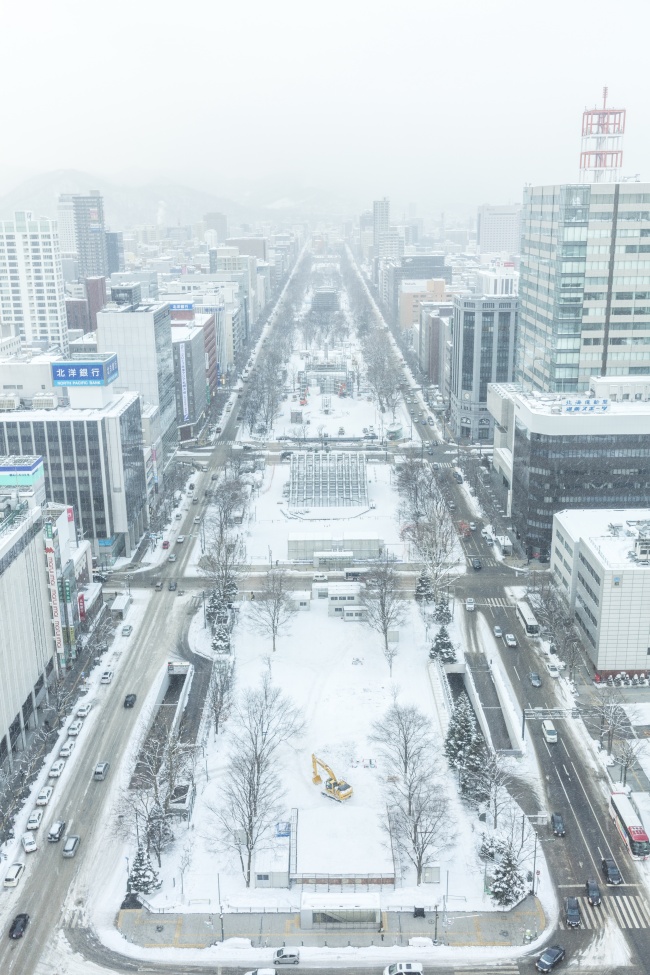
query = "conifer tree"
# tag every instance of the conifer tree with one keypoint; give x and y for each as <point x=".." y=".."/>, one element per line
<point x="143" y="878"/>
<point x="442" y="614"/>
<point x="442" y="648"/>
<point x="508" y="883"/>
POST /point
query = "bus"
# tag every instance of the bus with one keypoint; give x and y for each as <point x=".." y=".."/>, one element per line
<point x="354" y="575"/>
<point x="629" y="824"/>
<point x="528" y="621"/>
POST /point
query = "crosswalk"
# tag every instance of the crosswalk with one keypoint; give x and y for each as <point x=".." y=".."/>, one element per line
<point x="486" y="563"/>
<point x="507" y="968"/>
<point x="626" y="910"/>
<point x="495" y="602"/>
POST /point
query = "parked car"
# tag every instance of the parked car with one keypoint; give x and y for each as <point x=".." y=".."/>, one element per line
<point x="35" y="818"/>
<point x="470" y="605"/>
<point x="557" y="824"/>
<point x="498" y="632"/>
<point x="75" y="728"/>
<point x="28" y="843"/>
<point x="611" y="872"/>
<point x="549" y="958"/>
<point x="535" y="680"/>
<point x="511" y="640"/>
<point x="67" y="748"/>
<point x="129" y="700"/>
<point x="14" y="873"/>
<point x="592" y="891"/>
<point x="18" y="926"/>
<point x="44" y="796"/>
<point x="84" y="710"/>
<point x="572" y="917"/>
<point x="106" y="677"/>
<point x="552" y="669"/>
<point x="127" y="630"/>
<point x="57" y="768"/>
<point x="166" y="543"/>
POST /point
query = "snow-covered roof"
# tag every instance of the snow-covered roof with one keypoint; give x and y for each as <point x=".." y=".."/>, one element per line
<point x="610" y="533"/>
<point x="362" y="901"/>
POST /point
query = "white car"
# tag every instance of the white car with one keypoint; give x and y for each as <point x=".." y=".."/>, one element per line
<point x="498" y="632"/>
<point x="67" y="749"/>
<point x="470" y="605"/>
<point x="28" y="843"/>
<point x="57" y="768"/>
<point x="84" y="710"/>
<point x="511" y="640"/>
<point x="261" y="971"/>
<point x="75" y="728"/>
<point x="180" y="539"/>
<point x="171" y="558"/>
<point x="107" y="677"/>
<point x="44" y="796"/>
<point x="553" y="670"/>
<point x="127" y="630"/>
<point x="34" y="820"/>
<point x="403" y="967"/>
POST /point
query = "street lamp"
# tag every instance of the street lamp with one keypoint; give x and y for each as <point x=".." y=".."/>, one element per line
<point x="435" y="930"/>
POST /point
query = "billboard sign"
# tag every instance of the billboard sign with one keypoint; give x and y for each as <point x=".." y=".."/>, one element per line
<point x="186" y="405"/>
<point x="101" y="372"/>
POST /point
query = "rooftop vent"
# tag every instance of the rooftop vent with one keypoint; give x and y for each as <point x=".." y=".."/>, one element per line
<point x="615" y="529"/>
<point x="9" y="401"/>
<point x="45" y="402"/>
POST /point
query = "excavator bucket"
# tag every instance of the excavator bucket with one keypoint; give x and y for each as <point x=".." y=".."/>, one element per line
<point x="317" y="779"/>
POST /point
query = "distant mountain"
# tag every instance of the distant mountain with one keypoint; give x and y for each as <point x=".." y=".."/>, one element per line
<point x="127" y="205"/>
<point x="124" y="206"/>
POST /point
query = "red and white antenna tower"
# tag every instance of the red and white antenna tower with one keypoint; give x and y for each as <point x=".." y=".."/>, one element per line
<point x="601" y="157"/>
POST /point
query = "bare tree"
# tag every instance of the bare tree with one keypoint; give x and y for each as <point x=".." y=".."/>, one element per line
<point x="627" y="756"/>
<point x="607" y="718"/>
<point x="249" y="801"/>
<point x="435" y="542"/>
<point x="273" y="609"/>
<point x="404" y="736"/>
<point x="381" y="599"/>
<point x="220" y="691"/>
<point x="228" y="497"/>
<point x="489" y="781"/>
<point x="224" y="560"/>
<point x="420" y="828"/>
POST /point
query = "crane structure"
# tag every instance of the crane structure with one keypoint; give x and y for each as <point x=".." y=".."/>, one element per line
<point x="334" y="788"/>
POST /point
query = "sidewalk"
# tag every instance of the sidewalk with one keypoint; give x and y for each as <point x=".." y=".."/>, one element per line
<point x="270" y="929"/>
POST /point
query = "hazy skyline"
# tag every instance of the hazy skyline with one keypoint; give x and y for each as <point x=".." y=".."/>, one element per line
<point x="447" y="106"/>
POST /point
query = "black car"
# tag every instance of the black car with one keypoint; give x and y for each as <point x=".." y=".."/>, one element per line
<point x="550" y="958"/>
<point x="129" y="700"/>
<point x="611" y="872"/>
<point x="18" y="926"/>
<point x="172" y="585"/>
<point x="557" y="824"/>
<point x="477" y="564"/>
<point x="593" y="893"/>
<point x="572" y="912"/>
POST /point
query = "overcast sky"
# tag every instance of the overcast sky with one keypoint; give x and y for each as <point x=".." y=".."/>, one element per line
<point x="442" y="104"/>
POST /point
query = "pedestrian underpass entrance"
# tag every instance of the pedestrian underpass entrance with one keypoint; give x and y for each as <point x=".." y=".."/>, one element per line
<point x="340" y="911"/>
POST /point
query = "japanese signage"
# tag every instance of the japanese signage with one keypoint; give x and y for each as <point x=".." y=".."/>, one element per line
<point x="55" y="602"/>
<point x="186" y="405"/>
<point x="73" y="373"/>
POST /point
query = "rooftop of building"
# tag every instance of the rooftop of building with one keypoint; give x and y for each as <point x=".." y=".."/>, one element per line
<point x="612" y="533"/>
<point x="114" y="407"/>
<point x="183" y="331"/>
<point x="547" y="404"/>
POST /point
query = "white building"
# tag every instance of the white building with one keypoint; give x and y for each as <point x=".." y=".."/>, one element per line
<point x="600" y="560"/>
<point x="32" y="292"/>
<point x="498" y="229"/>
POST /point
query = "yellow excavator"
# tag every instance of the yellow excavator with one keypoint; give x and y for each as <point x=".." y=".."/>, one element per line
<point x="334" y="788"/>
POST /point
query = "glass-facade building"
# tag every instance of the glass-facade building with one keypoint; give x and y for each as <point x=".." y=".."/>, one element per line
<point x="585" y="284"/>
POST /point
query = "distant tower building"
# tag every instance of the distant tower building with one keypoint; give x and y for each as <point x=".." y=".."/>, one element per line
<point x="96" y="297"/>
<point x="499" y="229"/>
<point x="32" y="294"/>
<point x="380" y="222"/>
<point x="219" y="223"/>
<point x="115" y="251"/>
<point x="67" y="239"/>
<point x="601" y="156"/>
<point x="90" y="235"/>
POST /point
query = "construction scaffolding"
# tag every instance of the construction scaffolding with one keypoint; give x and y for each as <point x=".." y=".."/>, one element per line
<point x="328" y="480"/>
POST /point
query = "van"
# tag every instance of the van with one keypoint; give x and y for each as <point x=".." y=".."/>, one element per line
<point x="319" y="577"/>
<point x="159" y="586"/>
<point x="286" y="956"/>
<point x="13" y="875"/>
<point x="70" y="846"/>
<point x="549" y="732"/>
<point x="101" y="770"/>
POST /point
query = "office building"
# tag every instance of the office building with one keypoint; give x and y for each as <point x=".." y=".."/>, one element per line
<point x="32" y="294"/>
<point x="412" y="294"/>
<point x="553" y="452"/>
<point x="192" y="395"/>
<point x="585" y="284"/>
<point x="600" y="561"/>
<point x="219" y="223"/>
<point x="96" y="296"/>
<point x="483" y="336"/>
<point x="65" y="216"/>
<point x="141" y="335"/>
<point x="251" y="246"/>
<point x="380" y="223"/>
<point x="114" y="251"/>
<point x="90" y="234"/>
<point x="498" y="229"/>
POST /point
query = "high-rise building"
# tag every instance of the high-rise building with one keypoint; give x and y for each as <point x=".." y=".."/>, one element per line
<point x="90" y="234"/>
<point x="96" y="297"/>
<point x="141" y="335"/>
<point x="380" y="222"/>
<point x="484" y="330"/>
<point x="585" y="284"/>
<point x="219" y="223"/>
<point x="115" y="251"/>
<point x="65" y="215"/>
<point x="32" y="293"/>
<point x="498" y="229"/>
